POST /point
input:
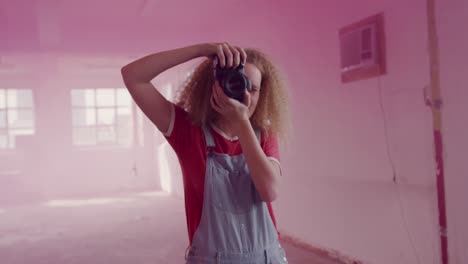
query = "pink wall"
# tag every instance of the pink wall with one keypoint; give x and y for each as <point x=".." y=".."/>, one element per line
<point x="338" y="192"/>
<point x="340" y="182"/>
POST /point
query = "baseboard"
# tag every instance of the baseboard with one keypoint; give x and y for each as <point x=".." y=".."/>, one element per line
<point x="328" y="253"/>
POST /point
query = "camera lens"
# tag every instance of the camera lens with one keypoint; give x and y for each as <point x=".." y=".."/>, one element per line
<point x="234" y="86"/>
<point x="233" y="81"/>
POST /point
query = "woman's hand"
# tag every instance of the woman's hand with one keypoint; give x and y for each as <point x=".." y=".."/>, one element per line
<point x="232" y="110"/>
<point x="228" y="56"/>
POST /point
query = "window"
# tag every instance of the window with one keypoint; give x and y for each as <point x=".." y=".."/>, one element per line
<point x="101" y="116"/>
<point x="16" y="116"/>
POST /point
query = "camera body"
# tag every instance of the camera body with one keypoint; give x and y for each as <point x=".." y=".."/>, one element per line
<point x="233" y="81"/>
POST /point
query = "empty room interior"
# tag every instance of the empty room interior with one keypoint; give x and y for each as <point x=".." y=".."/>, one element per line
<point x="230" y="131"/>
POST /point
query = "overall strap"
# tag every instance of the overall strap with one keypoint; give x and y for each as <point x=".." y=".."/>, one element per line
<point x="210" y="143"/>
<point x="209" y="139"/>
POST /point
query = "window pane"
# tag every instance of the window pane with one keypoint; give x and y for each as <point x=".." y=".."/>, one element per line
<point x="2" y="98"/>
<point x="106" y="134"/>
<point x="83" y="97"/>
<point x="141" y="136"/>
<point x="123" y="97"/>
<point x="125" y="136"/>
<point x="20" y="118"/>
<point x="84" y="117"/>
<point x="3" y="141"/>
<point x="124" y="126"/>
<point x="2" y="118"/>
<point x="19" y="98"/>
<point x="84" y="136"/>
<point x="124" y="115"/>
<point x="106" y="116"/>
<point x="105" y="97"/>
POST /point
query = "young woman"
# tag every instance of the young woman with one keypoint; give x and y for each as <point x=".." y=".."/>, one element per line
<point x="227" y="148"/>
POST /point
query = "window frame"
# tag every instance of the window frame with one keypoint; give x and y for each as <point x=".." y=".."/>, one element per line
<point x="100" y="144"/>
<point x="6" y="130"/>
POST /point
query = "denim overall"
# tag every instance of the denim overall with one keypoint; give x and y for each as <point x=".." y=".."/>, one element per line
<point x="235" y="226"/>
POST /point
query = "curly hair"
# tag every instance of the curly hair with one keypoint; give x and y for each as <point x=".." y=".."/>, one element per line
<point x="272" y="111"/>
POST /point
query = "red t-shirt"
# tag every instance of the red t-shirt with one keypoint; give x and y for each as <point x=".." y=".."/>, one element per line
<point x="188" y="142"/>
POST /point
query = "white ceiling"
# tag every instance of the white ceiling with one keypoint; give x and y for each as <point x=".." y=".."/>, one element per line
<point x="103" y="29"/>
<point x="87" y="25"/>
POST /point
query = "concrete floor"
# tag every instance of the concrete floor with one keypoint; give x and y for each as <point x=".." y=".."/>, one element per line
<point x="139" y="228"/>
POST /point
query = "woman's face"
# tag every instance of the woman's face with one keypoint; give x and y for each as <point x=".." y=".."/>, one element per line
<point x="255" y="77"/>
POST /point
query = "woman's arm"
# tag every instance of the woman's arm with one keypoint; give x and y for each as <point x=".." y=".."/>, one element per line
<point x="265" y="173"/>
<point x="137" y="77"/>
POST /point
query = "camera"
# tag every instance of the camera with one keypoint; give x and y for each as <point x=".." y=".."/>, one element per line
<point x="233" y="81"/>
